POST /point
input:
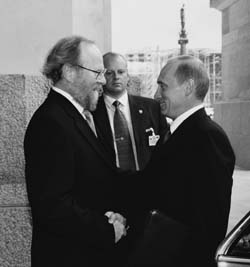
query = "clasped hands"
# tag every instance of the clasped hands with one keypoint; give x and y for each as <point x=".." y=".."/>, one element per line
<point x="119" y="224"/>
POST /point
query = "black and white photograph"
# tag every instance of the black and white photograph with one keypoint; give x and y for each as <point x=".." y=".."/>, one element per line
<point x="125" y="133"/>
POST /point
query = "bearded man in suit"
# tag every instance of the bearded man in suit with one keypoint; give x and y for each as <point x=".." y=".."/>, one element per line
<point x="189" y="177"/>
<point x="71" y="184"/>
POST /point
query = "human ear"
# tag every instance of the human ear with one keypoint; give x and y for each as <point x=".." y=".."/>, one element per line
<point x="68" y="73"/>
<point x="189" y="87"/>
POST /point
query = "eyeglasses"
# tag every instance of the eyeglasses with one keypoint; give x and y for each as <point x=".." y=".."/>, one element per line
<point x="99" y="73"/>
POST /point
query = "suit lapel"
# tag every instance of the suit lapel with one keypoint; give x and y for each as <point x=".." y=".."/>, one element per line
<point x="88" y="134"/>
<point x="81" y="124"/>
<point x="103" y="126"/>
<point x="186" y="128"/>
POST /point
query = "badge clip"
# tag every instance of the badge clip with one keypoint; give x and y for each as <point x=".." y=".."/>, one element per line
<point x="153" y="138"/>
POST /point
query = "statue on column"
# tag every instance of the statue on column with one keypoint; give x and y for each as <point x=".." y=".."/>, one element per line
<point x="183" y="36"/>
<point x="182" y="19"/>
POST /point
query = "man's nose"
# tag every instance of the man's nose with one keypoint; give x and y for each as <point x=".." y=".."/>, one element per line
<point x="102" y="80"/>
<point x="116" y="75"/>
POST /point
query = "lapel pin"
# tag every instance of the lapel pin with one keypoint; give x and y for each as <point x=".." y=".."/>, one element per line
<point x="140" y="111"/>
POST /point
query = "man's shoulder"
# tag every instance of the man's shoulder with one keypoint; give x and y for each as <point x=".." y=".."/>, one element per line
<point x="207" y="130"/>
<point x="54" y="110"/>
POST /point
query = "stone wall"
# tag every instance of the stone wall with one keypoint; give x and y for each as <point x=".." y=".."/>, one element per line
<point x="29" y="31"/>
<point x="20" y="95"/>
<point x="233" y="112"/>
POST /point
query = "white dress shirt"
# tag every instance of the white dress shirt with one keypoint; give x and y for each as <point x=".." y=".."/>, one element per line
<point x="72" y="100"/>
<point x="124" y="107"/>
<point x="179" y="120"/>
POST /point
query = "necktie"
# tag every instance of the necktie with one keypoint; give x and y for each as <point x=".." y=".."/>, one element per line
<point x="166" y="136"/>
<point x="90" y="121"/>
<point x="123" y="140"/>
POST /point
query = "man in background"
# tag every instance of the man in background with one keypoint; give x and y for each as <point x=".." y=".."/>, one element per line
<point x="71" y="183"/>
<point x="130" y="126"/>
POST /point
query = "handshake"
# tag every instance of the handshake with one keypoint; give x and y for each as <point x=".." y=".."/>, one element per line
<point x="119" y="224"/>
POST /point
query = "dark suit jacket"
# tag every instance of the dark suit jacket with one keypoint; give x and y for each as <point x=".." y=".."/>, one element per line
<point x="189" y="179"/>
<point x="145" y="113"/>
<point x="70" y="184"/>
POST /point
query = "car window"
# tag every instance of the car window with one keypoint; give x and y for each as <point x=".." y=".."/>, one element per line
<point x="241" y="247"/>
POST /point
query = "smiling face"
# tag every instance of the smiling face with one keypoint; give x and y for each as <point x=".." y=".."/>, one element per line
<point x="170" y="94"/>
<point x="116" y="75"/>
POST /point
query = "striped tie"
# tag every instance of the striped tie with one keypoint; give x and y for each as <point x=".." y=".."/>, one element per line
<point x="123" y="140"/>
<point x="90" y="121"/>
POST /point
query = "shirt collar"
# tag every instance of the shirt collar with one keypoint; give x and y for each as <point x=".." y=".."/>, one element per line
<point x="70" y="98"/>
<point x="110" y="100"/>
<point x="179" y="120"/>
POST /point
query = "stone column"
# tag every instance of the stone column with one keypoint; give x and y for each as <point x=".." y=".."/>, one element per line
<point x="29" y="29"/>
<point x="233" y="113"/>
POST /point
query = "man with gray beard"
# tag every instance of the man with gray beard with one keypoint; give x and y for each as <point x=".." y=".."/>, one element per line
<point x="70" y="183"/>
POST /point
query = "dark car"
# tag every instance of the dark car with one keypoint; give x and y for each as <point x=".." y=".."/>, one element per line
<point x="234" y="251"/>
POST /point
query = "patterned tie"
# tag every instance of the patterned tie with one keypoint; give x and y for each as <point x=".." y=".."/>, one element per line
<point x="123" y="140"/>
<point x="90" y="120"/>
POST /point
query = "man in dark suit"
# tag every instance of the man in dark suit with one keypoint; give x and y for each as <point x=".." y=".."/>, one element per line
<point x="143" y="115"/>
<point x="189" y="176"/>
<point x="71" y="183"/>
<point x="144" y="122"/>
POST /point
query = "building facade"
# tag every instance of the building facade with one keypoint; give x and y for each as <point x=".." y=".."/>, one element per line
<point x="233" y="111"/>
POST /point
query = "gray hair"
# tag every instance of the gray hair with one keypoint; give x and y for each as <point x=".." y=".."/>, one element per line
<point x="66" y="50"/>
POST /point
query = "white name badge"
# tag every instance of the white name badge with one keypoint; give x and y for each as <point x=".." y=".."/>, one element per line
<point x="153" y="139"/>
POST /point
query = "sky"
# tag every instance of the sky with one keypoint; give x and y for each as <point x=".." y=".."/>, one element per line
<point x="140" y="24"/>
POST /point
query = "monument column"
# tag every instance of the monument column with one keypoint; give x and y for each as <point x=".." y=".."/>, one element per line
<point x="233" y="113"/>
<point x="183" y="35"/>
<point x="29" y="29"/>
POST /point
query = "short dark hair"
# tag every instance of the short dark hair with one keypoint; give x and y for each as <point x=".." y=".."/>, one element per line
<point x="66" y="50"/>
<point x="190" y="67"/>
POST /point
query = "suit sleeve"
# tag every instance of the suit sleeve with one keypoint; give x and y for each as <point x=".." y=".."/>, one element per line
<point x="50" y="169"/>
<point x="213" y="170"/>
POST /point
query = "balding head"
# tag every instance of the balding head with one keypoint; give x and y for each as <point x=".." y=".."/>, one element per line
<point x="183" y="84"/>
<point x="65" y="51"/>
<point x="189" y="67"/>
<point x="116" y="75"/>
<point x="110" y="56"/>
